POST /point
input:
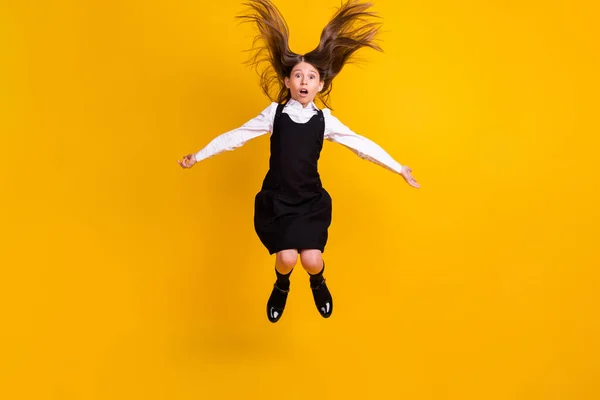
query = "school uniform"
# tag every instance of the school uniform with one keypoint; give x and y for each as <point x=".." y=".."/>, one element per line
<point x="293" y="210"/>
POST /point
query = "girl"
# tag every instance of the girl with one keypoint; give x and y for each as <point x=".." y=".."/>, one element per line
<point x="292" y="211"/>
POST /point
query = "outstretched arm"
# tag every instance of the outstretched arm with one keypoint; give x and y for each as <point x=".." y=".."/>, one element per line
<point x="365" y="148"/>
<point x="235" y="138"/>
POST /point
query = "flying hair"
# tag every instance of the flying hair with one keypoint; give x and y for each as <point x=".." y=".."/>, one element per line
<point x="351" y="28"/>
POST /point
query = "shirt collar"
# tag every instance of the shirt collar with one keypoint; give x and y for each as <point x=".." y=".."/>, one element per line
<point x="296" y="104"/>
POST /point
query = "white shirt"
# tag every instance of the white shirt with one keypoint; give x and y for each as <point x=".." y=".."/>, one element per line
<point x="335" y="131"/>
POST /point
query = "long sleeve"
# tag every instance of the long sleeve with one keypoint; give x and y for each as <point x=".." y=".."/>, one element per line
<point x="235" y="138"/>
<point x="366" y="149"/>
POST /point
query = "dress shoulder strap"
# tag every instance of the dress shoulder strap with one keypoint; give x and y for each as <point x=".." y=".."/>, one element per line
<point x="279" y="110"/>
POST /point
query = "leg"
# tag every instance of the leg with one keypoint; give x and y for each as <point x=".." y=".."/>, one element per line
<point x="285" y="261"/>
<point x="312" y="261"/>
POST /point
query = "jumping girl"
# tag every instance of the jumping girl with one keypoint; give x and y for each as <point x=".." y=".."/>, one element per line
<point x="292" y="211"/>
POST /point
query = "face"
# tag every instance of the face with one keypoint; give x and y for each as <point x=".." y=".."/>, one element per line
<point x="304" y="83"/>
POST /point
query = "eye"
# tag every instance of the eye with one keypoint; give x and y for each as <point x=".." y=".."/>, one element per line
<point x="297" y="75"/>
<point x="312" y="77"/>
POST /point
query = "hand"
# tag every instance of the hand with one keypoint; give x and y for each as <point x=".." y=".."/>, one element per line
<point x="188" y="161"/>
<point x="405" y="172"/>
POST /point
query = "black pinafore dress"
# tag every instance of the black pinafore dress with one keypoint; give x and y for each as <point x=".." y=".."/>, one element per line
<point x="292" y="209"/>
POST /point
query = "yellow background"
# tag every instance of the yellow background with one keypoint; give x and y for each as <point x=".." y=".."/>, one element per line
<point x="126" y="277"/>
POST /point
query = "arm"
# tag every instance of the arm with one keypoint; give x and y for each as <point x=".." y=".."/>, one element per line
<point x="235" y="138"/>
<point x="366" y="149"/>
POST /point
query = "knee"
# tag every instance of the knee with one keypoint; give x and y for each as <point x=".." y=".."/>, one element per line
<point x="312" y="262"/>
<point x="286" y="261"/>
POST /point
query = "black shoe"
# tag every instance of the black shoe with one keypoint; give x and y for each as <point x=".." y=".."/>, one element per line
<point x="323" y="299"/>
<point x="276" y="303"/>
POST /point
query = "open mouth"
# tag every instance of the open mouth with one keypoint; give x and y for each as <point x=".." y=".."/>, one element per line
<point x="303" y="92"/>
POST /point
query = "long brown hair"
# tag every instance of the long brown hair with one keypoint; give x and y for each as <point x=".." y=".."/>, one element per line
<point x="350" y="29"/>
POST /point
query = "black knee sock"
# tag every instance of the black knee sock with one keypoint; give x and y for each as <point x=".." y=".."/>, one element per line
<point x="316" y="279"/>
<point x="321" y="293"/>
<point x="283" y="281"/>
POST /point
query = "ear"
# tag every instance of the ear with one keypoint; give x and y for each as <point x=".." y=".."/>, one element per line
<point x="287" y="82"/>
<point x="321" y="85"/>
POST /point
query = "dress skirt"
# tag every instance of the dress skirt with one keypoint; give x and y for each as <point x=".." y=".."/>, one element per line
<point x="296" y="220"/>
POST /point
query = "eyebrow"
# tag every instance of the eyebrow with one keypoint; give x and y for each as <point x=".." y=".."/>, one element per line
<point x="298" y="69"/>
